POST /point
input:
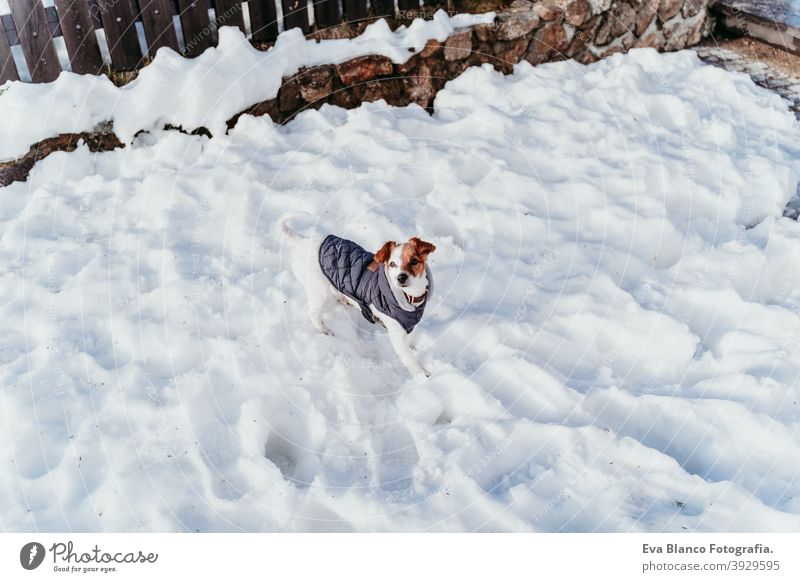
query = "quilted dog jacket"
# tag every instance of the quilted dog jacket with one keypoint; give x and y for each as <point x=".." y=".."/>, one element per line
<point x="345" y="264"/>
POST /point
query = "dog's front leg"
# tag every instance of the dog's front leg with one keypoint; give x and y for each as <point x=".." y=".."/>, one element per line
<point x="399" y="339"/>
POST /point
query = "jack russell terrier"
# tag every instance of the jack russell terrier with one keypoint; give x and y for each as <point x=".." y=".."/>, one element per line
<point x="391" y="287"/>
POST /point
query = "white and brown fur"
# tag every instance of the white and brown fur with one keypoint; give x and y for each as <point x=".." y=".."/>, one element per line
<point x="405" y="268"/>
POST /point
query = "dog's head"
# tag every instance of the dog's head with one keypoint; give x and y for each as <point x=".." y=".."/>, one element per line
<point x="405" y="264"/>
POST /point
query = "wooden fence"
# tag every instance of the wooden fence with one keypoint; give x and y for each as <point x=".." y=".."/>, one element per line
<point x="33" y="27"/>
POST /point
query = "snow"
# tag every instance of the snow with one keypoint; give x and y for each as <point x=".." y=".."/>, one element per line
<point x="202" y="92"/>
<point x="612" y="341"/>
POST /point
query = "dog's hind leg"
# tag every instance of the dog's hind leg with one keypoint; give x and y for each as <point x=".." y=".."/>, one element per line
<point x="316" y="307"/>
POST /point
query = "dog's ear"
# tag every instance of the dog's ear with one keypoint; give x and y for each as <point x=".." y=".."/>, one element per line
<point x="423" y="248"/>
<point x="385" y="251"/>
<point x="382" y="255"/>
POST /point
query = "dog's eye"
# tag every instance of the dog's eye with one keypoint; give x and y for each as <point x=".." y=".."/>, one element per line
<point x="392" y="264"/>
<point x="414" y="262"/>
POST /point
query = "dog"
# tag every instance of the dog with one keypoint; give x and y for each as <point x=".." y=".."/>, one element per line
<point x="391" y="286"/>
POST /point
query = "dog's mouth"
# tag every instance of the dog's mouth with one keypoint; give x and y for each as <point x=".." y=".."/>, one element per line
<point x="415" y="300"/>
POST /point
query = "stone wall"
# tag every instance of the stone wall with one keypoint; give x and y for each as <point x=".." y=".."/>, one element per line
<point x="538" y="32"/>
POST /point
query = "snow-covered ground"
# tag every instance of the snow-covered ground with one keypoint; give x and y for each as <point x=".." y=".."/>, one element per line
<point x="614" y="339"/>
<point x="205" y="91"/>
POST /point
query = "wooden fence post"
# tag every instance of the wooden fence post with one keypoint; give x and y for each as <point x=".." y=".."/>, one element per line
<point x="36" y="40"/>
<point x="157" y="23"/>
<point x="355" y="10"/>
<point x="408" y="4"/>
<point x="196" y="27"/>
<point x="295" y="14"/>
<point x="383" y="7"/>
<point x="8" y="69"/>
<point x="326" y="13"/>
<point x="229" y="13"/>
<point x="77" y="29"/>
<point x="123" y="43"/>
<point x="263" y="19"/>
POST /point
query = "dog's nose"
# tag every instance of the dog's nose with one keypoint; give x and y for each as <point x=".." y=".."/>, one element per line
<point x="402" y="278"/>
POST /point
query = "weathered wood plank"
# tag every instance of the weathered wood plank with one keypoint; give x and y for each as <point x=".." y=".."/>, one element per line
<point x="94" y="10"/>
<point x="36" y="40"/>
<point x="118" y="22"/>
<point x="295" y="14"/>
<point x="78" y="32"/>
<point x="326" y="13"/>
<point x="157" y="22"/>
<point x="8" y="69"/>
<point x="747" y="18"/>
<point x="7" y="22"/>
<point x="196" y="26"/>
<point x="383" y="7"/>
<point x="263" y="19"/>
<point x="408" y="4"/>
<point x="229" y="13"/>
<point x="355" y="9"/>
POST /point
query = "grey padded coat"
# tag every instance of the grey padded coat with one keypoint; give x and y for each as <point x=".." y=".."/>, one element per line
<point x="345" y="264"/>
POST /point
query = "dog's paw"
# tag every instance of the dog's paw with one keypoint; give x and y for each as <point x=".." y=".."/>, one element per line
<point x="321" y="327"/>
<point x="421" y="374"/>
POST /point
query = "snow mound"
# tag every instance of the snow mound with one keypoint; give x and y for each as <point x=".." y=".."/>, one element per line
<point x="613" y="338"/>
<point x="205" y="91"/>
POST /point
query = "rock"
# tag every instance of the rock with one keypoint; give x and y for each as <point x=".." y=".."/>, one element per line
<point x="455" y="68"/>
<point x="645" y="12"/>
<point x="509" y="53"/>
<point x="316" y="84"/>
<point x="289" y="97"/>
<point x="483" y="53"/>
<point x="363" y="69"/>
<point x="668" y="8"/>
<point x="523" y="6"/>
<point x="692" y="7"/>
<point x="431" y="48"/>
<point x="624" y="18"/>
<point x="628" y="41"/>
<point x="608" y="51"/>
<point x="548" y="10"/>
<point x="677" y="33"/>
<point x="485" y="32"/>
<point x="101" y="139"/>
<point x="458" y="46"/>
<point x="698" y="31"/>
<point x="338" y="31"/>
<point x="547" y="41"/>
<point x="577" y="12"/>
<point x="410" y="64"/>
<point x="264" y="108"/>
<point x="519" y="20"/>
<point x="513" y="28"/>
<point x="418" y="87"/>
<point x="587" y="57"/>
<point x="606" y="31"/>
<point x="390" y="90"/>
<point x="652" y="40"/>
<point x="346" y="98"/>
<point x="438" y="71"/>
<point x="617" y="21"/>
<point x="584" y="36"/>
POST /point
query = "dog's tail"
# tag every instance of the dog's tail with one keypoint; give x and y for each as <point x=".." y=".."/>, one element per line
<point x="288" y="230"/>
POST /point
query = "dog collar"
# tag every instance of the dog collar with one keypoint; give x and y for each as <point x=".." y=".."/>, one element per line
<point x="415" y="300"/>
